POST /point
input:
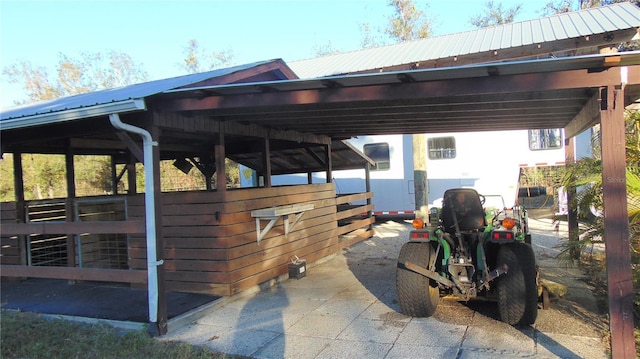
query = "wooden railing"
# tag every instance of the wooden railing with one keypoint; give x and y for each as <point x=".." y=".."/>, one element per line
<point x="354" y="217"/>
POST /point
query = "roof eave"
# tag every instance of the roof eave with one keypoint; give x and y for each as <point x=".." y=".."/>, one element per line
<point x="74" y="114"/>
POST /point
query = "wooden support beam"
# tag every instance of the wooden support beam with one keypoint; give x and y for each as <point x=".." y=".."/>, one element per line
<point x="18" y="182"/>
<point x="131" y="145"/>
<point x="572" y="215"/>
<point x="131" y="175"/>
<point x="420" y="182"/>
<point x="329" y="164"/>
<point x="221" y="172"/>
<point x="266" y="160"/>
<point x="115" y="177"/>
<point x="319" y="160"/>
<point x="588" y="116"/>
<point x="616" y="224"/>
<point x="367" y="186"/>
<point x="476" y="86"/>
<point x="208" y="124"/>
<point x="69" y="205"/>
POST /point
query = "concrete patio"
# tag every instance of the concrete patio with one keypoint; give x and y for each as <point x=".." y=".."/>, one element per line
<point x="347" y="307"/>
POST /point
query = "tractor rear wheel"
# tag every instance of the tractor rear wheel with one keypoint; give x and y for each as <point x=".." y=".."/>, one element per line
<point x="517" y="289"/>
<point x="418" y="295"/>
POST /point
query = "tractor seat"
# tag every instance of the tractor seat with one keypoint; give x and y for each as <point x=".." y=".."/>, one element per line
<point x="465" y="203"/>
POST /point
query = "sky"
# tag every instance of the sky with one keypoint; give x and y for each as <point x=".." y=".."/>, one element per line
<point x="155" y="32"/>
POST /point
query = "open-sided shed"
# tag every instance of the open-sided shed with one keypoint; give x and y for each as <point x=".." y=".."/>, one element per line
<point x="266" y="113"/>
<point x="212" y="241"/>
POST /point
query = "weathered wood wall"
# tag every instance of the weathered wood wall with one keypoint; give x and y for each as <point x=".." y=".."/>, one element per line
<point x="210" y="243"/>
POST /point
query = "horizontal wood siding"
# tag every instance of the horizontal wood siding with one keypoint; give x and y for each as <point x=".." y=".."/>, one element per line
<point x="10" y="245"/>
<point x="210" y="239"/>
<point x="210" y="243"/>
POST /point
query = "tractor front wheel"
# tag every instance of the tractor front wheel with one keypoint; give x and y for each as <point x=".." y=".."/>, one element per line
<point x="418" y="295"/>
<point x="517" y="289"/>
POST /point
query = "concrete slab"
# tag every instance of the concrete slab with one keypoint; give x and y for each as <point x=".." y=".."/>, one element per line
<point x="320" y="326"/>
<point x="338" y="349"/>
<point x="292" y="346"/>
<point x="432" y="333"/>
<point x="380" y="331"/>
<point x="570" y="346"/>
<point x="347" y="306"/>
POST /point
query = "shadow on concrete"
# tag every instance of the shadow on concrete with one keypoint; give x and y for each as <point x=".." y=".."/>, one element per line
<point x="91" y="300"/>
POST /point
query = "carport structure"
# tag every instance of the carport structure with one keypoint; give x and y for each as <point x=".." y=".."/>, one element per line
<point x="570" y="93"/>
<point x="573" y="93"/>
<point x="288" y="114"/>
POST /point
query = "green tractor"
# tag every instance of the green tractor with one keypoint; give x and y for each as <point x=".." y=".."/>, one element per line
<point x="468" y="252"/>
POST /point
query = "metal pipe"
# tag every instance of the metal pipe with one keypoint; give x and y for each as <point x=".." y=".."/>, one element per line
<point x="150" y="208"/>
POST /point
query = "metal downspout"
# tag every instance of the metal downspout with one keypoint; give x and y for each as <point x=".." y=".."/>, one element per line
<point x="150" y="208"/>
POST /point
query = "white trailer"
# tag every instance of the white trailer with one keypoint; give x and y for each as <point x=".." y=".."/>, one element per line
<point x="488" y="161"/>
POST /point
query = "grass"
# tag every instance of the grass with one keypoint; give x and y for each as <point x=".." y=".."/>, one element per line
<point x="28" y="335"/>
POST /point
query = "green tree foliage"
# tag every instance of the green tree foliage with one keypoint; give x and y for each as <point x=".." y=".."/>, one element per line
<point x="407" y="22"/>
<point x="89" y="72"/>
<point x="586" y="176"/>
<point x="557" y="7"/>
<point x="196" y="59"/>
<point x="561" y="6"/>
<point x="325" y="49"/>
<point x="369" y="39"/>
<point x="493" y="14"/>
<point x="93" y="175"/>
<point x="44" y="175"/>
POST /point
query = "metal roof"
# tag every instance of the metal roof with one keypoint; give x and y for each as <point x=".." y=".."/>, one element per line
<point x="300" y="115"/>
<point x="526" y="94"/>
<point x="586" y="24"/>
<point x="116" y="100"/>
<point x="39" y="126"/>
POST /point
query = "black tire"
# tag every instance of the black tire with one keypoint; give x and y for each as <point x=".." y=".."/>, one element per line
<point x="418" y="295"/>
<point x="517" y="289"/>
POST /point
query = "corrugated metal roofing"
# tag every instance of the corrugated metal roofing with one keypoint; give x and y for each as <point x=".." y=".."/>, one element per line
<point x="564" y="26"/>
<point x="137" y="91"/>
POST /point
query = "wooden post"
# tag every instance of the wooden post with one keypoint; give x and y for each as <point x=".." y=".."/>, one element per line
<point x="367" y="188"/>
<point x="221" y="170"/>
<point x="114" y="174"/>
<point x="420" y="175"/>
<point x="21" y="216"/>
<point x="616" y="223"/>
<point x="572" y="215"/>
<point x="329" y="164"/>
<point x="131" y="175"/>
<point x="70" y="205"/>
<point x="266" y="163"/>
